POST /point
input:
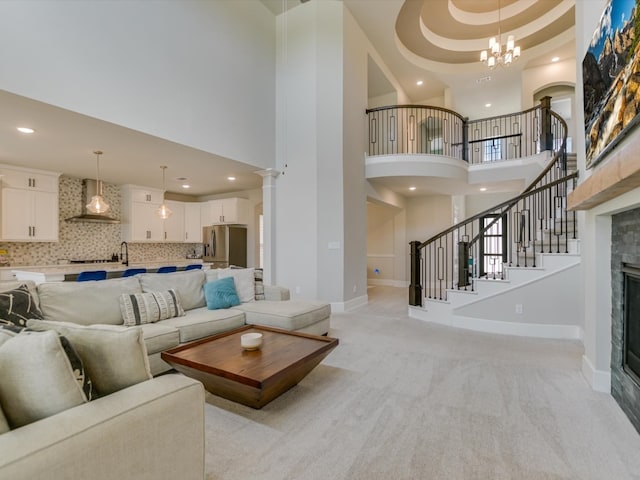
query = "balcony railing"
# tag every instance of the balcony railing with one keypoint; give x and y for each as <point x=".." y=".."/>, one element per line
<point x="416" y="129"/>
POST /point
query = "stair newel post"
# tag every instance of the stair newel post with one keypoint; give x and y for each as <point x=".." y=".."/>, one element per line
<point x="415" y="289"/>
<point x="546" y="133"/>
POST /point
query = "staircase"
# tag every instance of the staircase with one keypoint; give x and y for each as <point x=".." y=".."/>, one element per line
<point x="529" y="284"/>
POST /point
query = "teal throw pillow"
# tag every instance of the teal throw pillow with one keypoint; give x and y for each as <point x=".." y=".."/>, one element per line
<point x="221" y="293"/>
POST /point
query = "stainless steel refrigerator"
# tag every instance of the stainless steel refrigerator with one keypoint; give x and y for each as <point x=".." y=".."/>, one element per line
<point x="225" y="245"/>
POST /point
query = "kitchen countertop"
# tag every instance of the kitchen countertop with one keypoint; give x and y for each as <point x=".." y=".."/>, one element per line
<point x="59" y="273"/>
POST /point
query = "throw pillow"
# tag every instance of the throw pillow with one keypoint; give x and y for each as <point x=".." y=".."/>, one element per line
<point x="17" y="306"/>
<point x="244" y="280"/>
<point x="140" y="308"/>
<point x="258" y="275"/>
<point x="38" y="379"/>
<point x="114" y="356"/>
<point x="221" y="294"/>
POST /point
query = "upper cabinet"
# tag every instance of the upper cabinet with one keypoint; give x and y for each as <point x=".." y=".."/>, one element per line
<point x="29" y="205"/>
<point x="140" y="220"/>
<point x="174" y="225"/>
<point x="192" y="223"/>
<point x="225" y="211"/>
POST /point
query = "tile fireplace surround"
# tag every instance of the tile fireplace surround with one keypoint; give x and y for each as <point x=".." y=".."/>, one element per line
<point x="625" y="249"/>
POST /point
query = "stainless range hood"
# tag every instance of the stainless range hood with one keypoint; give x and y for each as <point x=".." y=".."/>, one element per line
<point x="89" y="189"/>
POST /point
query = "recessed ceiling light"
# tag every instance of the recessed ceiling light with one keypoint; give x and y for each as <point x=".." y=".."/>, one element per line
<point x="412" y="188"/>
<point x="26" y="130"/>
<point x="488" y="105"/>
<point x="231" y="179"/>
<point x="555" y="59"/>
<point x="419" y="82"/>
<point x="186" y="185"/>
<point x="483" y="189"/>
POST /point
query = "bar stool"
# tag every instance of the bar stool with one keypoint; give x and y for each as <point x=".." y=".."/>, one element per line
<point x="168" y="269"/>
<point x="130" y="272"/>
<point x="193" y="266"/>
<point x="92" y="275"/>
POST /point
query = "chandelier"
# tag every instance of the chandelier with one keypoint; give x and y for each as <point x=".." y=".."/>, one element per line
<point x="499" y="54"/>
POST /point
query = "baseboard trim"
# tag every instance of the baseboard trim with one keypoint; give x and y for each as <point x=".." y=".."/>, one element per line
<point x="388" y="282"/>
<point x="340" y="307"/>
<point x="599" y="380"/>
<point x="535" y="330"/>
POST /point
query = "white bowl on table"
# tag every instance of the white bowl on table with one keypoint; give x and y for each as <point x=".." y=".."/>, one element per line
<point x="251" y="341"/>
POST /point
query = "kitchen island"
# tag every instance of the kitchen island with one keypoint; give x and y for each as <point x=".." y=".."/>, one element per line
<point x="69" y="272"/>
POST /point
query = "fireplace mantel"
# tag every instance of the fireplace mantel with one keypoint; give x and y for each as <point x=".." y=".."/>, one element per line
<point x="618" y="174"/>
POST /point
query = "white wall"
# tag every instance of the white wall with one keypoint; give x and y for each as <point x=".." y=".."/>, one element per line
<point x="559" y="73"/>
<point x="297" y="203"/>
<point x="197" y="73"/>
<point x="427" y="215"/>
<point x="549" y="300"/>
<point x="355" y="57"/>
<point x="479" y="203"/>
<point x="383" y="100"/>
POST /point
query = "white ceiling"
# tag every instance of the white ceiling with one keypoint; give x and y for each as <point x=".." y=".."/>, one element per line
<point x="64" y="140"/>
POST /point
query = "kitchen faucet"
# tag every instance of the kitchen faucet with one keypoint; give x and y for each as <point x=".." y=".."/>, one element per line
<point x="125" y="257"/>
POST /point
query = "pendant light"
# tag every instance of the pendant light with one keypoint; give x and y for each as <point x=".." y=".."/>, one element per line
<point x="163" y="210"/>
<point x="98" y="204"/>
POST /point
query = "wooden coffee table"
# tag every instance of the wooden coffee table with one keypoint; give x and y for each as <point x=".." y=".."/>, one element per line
<point x="252" y="378"/>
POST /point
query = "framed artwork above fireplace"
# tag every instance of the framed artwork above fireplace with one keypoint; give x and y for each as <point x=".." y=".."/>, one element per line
<point x="610" y="85"/>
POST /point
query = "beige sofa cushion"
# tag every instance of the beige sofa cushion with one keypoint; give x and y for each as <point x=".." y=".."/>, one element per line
<point x="187" y="284"/>
<point x="114" y="356"/>
<point x="245" y="282"/>
<point x="4" y="425"/>
<point x="200" y="322"/>
<point x="159" y="338"/>
<point x="38" y="379"/>
<point x="86" y="303"/>
<point x="290" y="314"/>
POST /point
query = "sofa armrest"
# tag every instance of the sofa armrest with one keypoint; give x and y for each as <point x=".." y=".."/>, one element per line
<point x="276" y="293"/>
<point x="151" y="430"/>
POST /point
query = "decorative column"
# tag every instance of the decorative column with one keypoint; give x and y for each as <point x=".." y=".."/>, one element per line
<point x="268" y="223"/>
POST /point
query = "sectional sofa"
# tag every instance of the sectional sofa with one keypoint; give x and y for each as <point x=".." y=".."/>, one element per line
<point x="143" y="425"/>
<point x="88" y="303"/>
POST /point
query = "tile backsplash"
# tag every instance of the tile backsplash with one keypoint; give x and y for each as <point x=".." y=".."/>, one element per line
<point x="83" y="241"/>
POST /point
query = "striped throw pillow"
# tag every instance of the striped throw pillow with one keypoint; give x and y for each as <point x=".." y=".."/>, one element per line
<point x="149" y="307"/>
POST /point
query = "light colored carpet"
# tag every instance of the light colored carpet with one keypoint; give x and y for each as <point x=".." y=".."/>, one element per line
<point x="401" y="399"/>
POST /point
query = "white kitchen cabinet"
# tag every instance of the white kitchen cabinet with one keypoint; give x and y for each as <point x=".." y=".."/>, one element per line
<point x="29" y="205"/>
<point x="192" y="223"/>
<point x="140" y="219"/>
<point x="174" y="225"/>
<point x="227" y="211"/>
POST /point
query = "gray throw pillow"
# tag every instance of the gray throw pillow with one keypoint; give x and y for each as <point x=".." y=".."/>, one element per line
<point x="38" y="379"/>
<point x="114" y="356"/>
